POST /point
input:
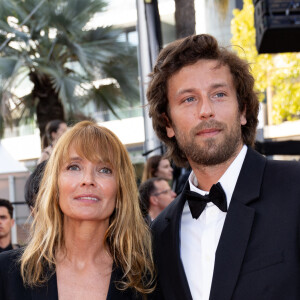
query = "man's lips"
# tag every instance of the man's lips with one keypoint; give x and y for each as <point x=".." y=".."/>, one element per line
<point x="208" y="132"/>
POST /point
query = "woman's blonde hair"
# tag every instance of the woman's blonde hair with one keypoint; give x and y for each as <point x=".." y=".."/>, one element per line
<point x="127" y="236"/>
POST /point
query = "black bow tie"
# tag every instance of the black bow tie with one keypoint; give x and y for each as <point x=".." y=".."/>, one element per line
<point x="197" y="202"/>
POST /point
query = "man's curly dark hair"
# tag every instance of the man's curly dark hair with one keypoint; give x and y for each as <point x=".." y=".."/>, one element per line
<point x="188" y="51"/>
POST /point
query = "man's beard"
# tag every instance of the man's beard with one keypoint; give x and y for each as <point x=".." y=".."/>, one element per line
<point x="211" y="151"/>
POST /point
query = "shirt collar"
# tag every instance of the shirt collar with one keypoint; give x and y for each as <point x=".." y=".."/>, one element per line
<point x="228" y="179"/>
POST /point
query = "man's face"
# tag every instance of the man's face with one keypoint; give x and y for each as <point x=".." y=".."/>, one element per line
<point x="164" y="195"/>
<point x="205" y="118"/>
<point x="6" y="222"/>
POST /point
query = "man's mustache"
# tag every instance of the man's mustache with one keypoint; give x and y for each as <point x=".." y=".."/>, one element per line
<point x="204" y="125"/>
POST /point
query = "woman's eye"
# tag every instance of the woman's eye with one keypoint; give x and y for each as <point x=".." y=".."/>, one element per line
<point x="105" y="170"/>
<point x="73" y="167"/>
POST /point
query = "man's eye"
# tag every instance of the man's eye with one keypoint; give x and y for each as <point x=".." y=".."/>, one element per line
<point x="219" y="95"/>
<point x="105" y="170"/>
<point x="189" y="99"/>
<point x="73" y="168"/>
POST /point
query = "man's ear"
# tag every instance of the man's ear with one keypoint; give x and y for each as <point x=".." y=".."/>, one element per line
<point x="153" y="200"/>
<point x="169" y="128"/>
<point x="12" y="222"/>
<point x="243" y="118"/>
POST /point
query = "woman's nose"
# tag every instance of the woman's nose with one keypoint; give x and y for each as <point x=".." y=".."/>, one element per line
<point x="88" y="178"/>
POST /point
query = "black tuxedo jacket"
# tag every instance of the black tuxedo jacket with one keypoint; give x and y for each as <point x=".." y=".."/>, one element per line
<point x="12" y="288"/>
<point x="258" y="255"/>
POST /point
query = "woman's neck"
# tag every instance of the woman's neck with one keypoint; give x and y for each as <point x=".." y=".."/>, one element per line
<point x="84" y="265"/>
<point x="84" y="241"/>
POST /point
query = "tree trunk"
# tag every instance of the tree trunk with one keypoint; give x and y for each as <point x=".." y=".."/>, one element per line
<point x="184" y="18"/>
<point x="49" y="107"/>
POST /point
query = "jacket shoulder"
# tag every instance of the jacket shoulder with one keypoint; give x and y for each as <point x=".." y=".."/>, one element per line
<point x="284" y="170"/>
<point x="10" y="258"/>
<point x="11" y="284"/>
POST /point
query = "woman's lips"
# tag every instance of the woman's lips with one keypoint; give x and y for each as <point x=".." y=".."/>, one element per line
<point x="87" y="198"/>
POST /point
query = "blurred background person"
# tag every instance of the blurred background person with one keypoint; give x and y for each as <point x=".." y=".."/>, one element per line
<point x="155" y="195"/>
<point x="88" y="240"/>
<point x="6" y="224"/>
<point x="32" y="184"/>
<point x="180" y="176"/>
<point x="157" y="166"/>
<point x="53" y="131"/>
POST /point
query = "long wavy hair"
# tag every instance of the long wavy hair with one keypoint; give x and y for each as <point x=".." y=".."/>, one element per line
<point x="151" y="167"/>
<point x="188" y="51"/>
<point x="127" y="236"/>
<point x="51" y="126"/>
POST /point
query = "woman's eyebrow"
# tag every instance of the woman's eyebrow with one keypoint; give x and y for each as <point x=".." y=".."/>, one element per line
<point x="75" y="158"/>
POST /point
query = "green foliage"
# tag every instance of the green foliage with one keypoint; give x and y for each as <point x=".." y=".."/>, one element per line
<point x="54" y="47"/>
<point x="280" y="72"/>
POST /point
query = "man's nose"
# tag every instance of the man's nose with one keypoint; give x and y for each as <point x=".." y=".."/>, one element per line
<point x="206" y="108"/>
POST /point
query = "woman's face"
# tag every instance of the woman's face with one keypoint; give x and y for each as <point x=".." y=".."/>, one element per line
<point x="164" y="170"/>
<point x="87" y="190"/>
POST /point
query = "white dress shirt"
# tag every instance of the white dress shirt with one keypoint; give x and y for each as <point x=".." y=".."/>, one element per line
<point x="199" y="238"/>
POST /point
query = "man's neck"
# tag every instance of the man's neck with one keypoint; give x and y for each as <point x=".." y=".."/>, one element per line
<point x="209" y="175"/>
<point x="153" y="213"/>
<point x="4" y="242"/>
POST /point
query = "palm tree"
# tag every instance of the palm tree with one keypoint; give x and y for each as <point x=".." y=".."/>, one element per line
<point x="68" y="63"/>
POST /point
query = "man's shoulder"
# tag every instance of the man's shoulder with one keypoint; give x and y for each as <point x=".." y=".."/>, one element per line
<point x="273" y="167"/>
<point x="283" y="168"/>
<point x="10" y="257"/>
<point x="9" y="266"/>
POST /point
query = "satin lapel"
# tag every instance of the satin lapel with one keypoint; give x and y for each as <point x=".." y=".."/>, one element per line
<point x="237" y="227"/>
<point x="171" y="246"/>
<point x="48" y="291"/>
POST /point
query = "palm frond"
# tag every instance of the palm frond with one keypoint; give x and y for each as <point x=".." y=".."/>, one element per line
<point x="9" y="66"/>
<point x="61" y="57"/>
<point x="12" y="8"/>
<point x="29" y="107"/>
<point x="67" y="94"/>
<point x="107" y="97"/>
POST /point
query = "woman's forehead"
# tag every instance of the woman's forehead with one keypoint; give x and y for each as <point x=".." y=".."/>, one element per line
<point x="77" y="151"/>
<point x="164" y="162"/>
